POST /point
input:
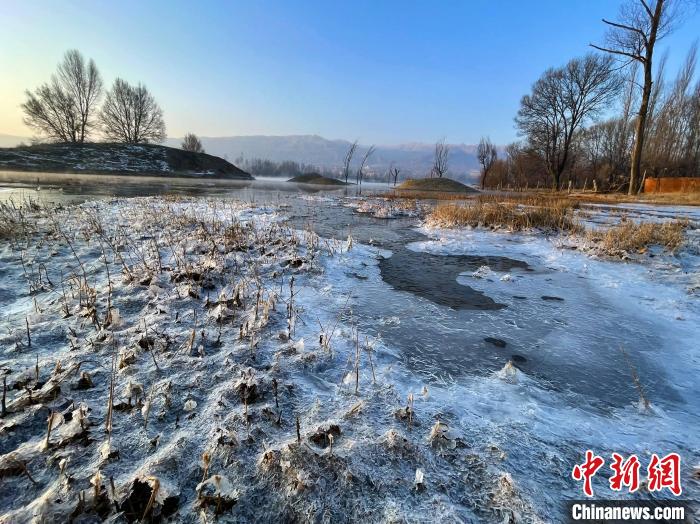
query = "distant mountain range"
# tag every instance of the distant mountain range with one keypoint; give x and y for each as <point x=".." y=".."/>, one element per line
<point x="412" y="158"/>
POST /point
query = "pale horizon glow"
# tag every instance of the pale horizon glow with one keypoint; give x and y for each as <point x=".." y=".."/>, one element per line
<point x="384" y="73"/>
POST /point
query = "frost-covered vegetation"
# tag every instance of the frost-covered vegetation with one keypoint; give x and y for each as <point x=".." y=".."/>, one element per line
<point x="560" y="215"/>
<point x="629" y="236"/>
<point x="165" y="358"/>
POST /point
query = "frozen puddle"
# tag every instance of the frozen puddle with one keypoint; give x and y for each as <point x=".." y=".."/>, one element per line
<point x="262" y="372"/>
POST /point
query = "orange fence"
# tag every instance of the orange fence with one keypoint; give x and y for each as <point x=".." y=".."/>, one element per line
<point x="672" y="185"/>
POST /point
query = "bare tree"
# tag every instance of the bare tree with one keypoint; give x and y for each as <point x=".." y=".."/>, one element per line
<point x="561" y="102"/>
<point x="131" y="115"/>
<point x="394" y="173"/>
<point x="63" y="109"/>
<point x="192" y="143"/>
<point x="442" y="151"/>
<point x="360" y="170"/>
<point x="641" y="24"/>
<point x="348" y="159"/>
<point x="487" y="155"/>
<point x="669" y="129"/>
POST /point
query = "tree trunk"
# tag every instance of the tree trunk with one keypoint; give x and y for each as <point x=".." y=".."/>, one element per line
<point x="646" y="95"/>
<point x="556" y="176"/>
<point x="640" y="130"/>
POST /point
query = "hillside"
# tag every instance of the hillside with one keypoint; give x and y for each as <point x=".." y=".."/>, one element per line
<point x="414" y="158"/>
<point x="124" y="159"/>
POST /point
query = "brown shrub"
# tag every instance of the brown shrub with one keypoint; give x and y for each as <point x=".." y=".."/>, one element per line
<point x="629" y="236"/>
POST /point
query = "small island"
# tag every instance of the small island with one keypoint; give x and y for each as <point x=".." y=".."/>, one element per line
<point x="316" y="179"/>
<point x="445" y="185"/>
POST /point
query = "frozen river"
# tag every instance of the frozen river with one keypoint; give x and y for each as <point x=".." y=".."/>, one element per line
<point x="525" y="345"/>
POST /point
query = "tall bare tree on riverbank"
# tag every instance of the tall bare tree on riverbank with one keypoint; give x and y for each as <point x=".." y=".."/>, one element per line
<point x="360" y="170"/>
<point x="487" y="155"/>
<point x="394" y="173"/>
<point x="348" y="159"/>
<point x="63" y="110"/>
<point x="633" y="37"/>
<point x="131" y="115"/>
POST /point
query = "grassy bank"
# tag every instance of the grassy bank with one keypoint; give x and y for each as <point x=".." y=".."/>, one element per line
<point x="631" y="237"/>
<point x="547" y="213"/>
<point x="681" y="199"/>
<point x="514" y="215"/>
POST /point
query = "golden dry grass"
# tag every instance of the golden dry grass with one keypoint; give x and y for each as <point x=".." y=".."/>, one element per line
<point x="636" y="237"/>
<point x="545" y="212"/>
<point x="516" y="215"/>
<point x="686" y="199"/>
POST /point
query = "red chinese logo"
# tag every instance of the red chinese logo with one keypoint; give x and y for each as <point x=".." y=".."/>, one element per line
<point x="665" y="473"/>
<point x="662" y="472"/>
<point x="587" y="471"/>
<point x="626" y="473"/>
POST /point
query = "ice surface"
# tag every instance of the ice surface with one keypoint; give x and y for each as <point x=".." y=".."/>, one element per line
<point x="494" y="431"/>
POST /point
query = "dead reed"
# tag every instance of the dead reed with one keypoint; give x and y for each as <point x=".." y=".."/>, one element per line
<point x="514" y="215"/>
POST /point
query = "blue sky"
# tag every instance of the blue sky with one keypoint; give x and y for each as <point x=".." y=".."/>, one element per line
<point x="383" y="72"/>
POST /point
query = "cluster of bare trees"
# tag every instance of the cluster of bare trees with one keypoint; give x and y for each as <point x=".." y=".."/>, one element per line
<point x="562" y="101"/>
<point x="438" y="169"/>
<point x="67" y="108"/>
<point x="285" y="168"/>
<point x="654" y="129"/>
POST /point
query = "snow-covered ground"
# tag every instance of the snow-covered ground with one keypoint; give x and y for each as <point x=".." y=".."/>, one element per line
<point x="117" y="158"/>
<point x="251" y="379"/>
<point x="199" y="358"/>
